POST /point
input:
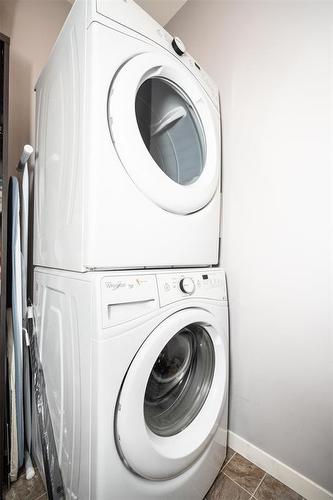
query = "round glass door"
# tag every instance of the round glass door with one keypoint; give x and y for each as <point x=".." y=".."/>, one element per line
<point x="166" y="132"/>
<point x="171" y="130"/>
<point x="172" y="396"/>
<point x="180" y="381"/>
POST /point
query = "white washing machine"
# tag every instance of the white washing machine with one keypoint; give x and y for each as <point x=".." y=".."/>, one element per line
<point x="136" y="370"/>
<point x="128" y="147"/>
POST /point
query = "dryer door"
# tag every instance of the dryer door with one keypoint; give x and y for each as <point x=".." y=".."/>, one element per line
<point x="166" y="132"/>
<point x="172" y="396"/>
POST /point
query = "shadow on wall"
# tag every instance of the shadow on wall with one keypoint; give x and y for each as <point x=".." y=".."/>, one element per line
<point x="19" y="83"/>
<point x="33" y="27"/>
<point x="19" y="86"/>
<point x="7" y="14"/>
<point x="20" y="107"/>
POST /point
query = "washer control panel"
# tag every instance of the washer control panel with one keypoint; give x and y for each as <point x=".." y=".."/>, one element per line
<point x="179" y="286"/>
<point x="126" y="297"/>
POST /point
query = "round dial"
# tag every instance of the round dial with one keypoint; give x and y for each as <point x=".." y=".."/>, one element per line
<point x="178" y="46"/>
<point x="187" y="285"/>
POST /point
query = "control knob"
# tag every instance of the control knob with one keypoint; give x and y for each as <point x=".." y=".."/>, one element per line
<point x="187" y="285"/>
<point x="178" y="46"/>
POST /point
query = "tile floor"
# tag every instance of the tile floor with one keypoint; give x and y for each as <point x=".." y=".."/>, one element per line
<point x="238" y="479"/>
<point x="27" y="490"/>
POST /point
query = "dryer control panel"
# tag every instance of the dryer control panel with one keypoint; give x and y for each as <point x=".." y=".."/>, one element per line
<point x="201" y="284"/>
<point x="130" y="16"/>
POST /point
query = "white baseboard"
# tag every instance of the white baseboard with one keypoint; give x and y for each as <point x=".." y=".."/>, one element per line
<point x="296" y="481"/>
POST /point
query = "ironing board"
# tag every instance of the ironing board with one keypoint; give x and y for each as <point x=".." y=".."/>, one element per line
<point x="26" y="357"/>
<point x="16" y="296"/>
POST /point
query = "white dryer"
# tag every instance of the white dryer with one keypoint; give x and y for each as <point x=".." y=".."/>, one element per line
<point x="128" y="147"/>
<point x="136" y="370"/>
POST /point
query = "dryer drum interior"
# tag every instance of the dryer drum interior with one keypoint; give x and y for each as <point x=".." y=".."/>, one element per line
<point x="180" y="381"/>
<point x="171" y="130"/>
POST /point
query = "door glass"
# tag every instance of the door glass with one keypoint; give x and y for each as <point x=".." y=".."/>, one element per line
<point x="171" y="130"/>
<point x="180" y="381"/>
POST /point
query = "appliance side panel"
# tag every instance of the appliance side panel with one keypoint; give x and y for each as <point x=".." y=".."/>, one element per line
<point x="62" y="325"/>
<point x="59" y="151"/>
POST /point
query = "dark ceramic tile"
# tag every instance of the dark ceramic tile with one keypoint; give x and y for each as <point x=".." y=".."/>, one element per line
<point x="272" y="489"/>
<point x="244" y="472"/>
<point x="27" y="490"/>
<point x="225" y="489"/>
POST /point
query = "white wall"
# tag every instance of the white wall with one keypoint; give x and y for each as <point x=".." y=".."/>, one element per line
<point x="273" y="62"/>
<point x="33" y="26"/>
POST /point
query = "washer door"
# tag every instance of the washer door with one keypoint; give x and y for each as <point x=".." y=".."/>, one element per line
<point x="166" y="132"/>
<point x="172" y="396"/>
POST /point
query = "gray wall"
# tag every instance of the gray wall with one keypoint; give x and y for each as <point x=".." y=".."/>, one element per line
<point x="273" y="62"/>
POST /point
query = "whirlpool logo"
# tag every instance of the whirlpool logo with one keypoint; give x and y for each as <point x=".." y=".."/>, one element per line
<point x="114" y="285"/>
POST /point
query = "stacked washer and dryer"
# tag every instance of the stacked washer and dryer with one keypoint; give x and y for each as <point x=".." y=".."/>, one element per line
<point x="130" y="304"/>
